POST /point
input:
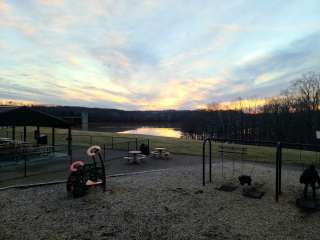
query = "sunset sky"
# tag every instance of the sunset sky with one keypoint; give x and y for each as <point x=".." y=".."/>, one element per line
<point x="161" y="54"/>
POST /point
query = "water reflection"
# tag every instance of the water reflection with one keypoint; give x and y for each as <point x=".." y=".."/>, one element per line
<point x="153" y="131"/>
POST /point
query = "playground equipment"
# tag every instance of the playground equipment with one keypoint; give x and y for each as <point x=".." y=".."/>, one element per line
<point x="243" y="178"/>
<point x="83" y="176"/>
<point x="278" y="146"/>
<point x="309" y="177"/>
<point x="234" y="153"/>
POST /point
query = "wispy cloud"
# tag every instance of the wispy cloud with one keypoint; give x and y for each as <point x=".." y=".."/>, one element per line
<point x="52" y="2"/>
<point x="153" y="54"/>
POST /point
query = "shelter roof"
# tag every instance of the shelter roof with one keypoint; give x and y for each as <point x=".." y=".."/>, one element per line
<point x="26" y="116"/>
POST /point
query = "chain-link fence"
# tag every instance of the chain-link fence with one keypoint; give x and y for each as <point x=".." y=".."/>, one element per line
<point x="28" y="162"/>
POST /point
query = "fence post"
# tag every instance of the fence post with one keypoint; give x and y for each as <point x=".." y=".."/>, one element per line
<point x="210" y="160"/>
<point x="111" y="142"/>
<point x="25" y="166"/>
<point x="280" y="168"/>
<point x="104" y="152"/>
<point x="69" y="139"/>
<point x="203" y="163"/>
<point x="277" y="170"/>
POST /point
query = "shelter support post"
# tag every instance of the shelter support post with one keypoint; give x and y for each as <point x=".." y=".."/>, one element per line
<point x="69" y="143"/>
<point x="24" y="133"/>
<point x="25" y="166"/>
<point x="53" y="138"/>
<point x="13" y="132"/>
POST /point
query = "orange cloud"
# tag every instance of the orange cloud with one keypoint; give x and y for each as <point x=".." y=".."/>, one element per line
<point x="175" y="93"/>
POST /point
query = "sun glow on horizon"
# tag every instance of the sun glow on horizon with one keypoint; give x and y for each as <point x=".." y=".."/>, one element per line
<point x="247" y="105"/>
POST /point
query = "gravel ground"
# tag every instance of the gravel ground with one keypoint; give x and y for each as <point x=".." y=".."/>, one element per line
<point x="160" y="205"/>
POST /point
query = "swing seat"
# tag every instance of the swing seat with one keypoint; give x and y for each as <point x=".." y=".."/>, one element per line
<point x="252" y="192"/>
<point x="227" y="188"/>
<point x="245" y="179"/>
<point x="308" y="204"/>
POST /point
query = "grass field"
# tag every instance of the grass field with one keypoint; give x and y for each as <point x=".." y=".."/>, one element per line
<point x="174" y="145"/>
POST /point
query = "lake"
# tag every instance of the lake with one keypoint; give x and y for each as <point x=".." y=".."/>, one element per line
<point x="144" y="130"/>
<point x="155" y="131"/>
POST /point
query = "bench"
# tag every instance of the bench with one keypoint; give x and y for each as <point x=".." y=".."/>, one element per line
<point x="137" y="159"/>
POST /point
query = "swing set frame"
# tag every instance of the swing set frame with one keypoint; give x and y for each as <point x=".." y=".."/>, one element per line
<point x="278" y="159"/>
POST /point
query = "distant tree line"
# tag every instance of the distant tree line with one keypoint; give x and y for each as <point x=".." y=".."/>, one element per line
<point x="293" y="116"/>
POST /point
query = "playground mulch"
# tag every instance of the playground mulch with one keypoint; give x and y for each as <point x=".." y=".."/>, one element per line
<point x="168" y="204"/>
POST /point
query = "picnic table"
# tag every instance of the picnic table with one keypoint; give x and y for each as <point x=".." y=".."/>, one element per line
<point x="160" y="152"/>
<point x="135" y="156"/>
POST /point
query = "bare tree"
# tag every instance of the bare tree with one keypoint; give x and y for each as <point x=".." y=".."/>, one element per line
<point x="308" y="91"/>
<point x="214" y="106"/>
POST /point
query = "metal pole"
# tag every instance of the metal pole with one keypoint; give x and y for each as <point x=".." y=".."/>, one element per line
<point x="13" y="132"/>
<point x="103" y="173"/>
<point x="25" y="166"/>
<point x="280" y="167"/>
<point x="69" y="143"/>
<point x="94" y="161"/>
<point x="111" y="142"/>
<point x="277" y="173"/>
<point x="53" y="138"/>
<point x="203" y="163"/>
<point x="210" y="158"/>
<point x="24" y="133"/>
<point x="104" y="152"/>
<point x="222" y="160"/>
<point x="136" y="143"/>
<point x="38" y="132"/>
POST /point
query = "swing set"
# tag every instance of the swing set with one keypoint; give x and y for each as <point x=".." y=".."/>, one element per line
<point x="227" y="152"/>
<point x="243" y="151"/>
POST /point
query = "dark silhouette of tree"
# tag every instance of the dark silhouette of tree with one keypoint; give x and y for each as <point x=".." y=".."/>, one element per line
<point x="293" y="116"/>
